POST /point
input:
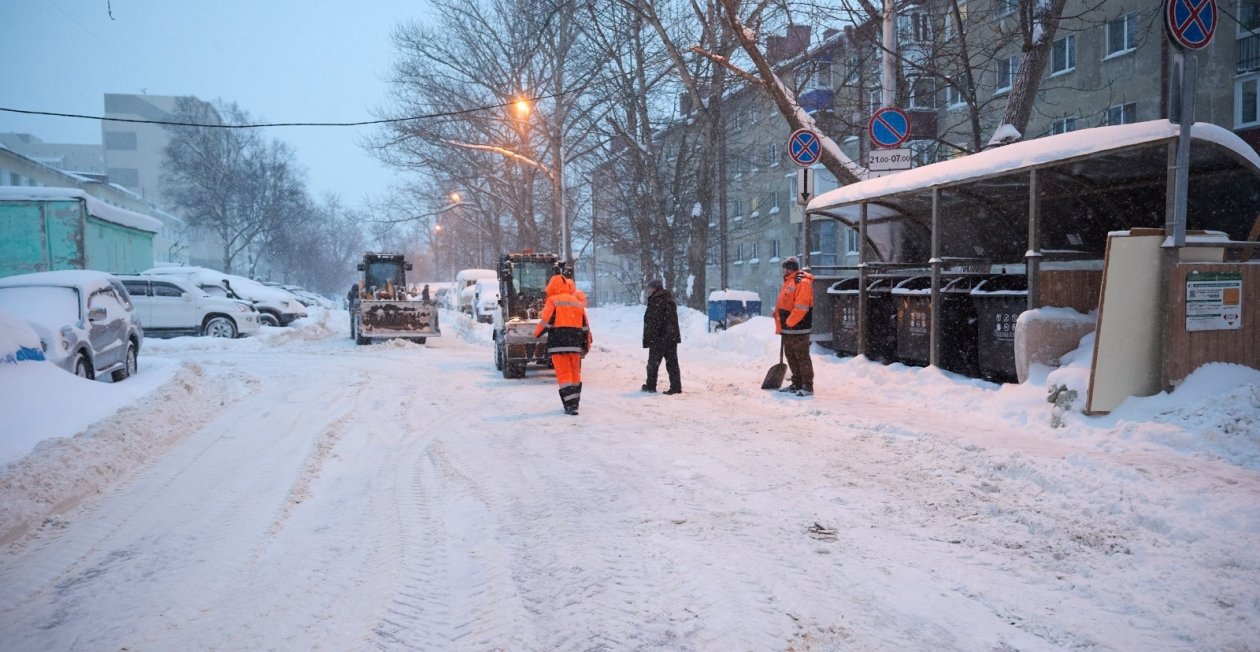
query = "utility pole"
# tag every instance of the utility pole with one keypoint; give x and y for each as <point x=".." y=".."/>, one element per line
<point x="888" y="84"/>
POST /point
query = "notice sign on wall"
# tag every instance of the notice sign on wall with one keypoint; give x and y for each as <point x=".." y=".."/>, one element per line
<point x="1213" y="301"/>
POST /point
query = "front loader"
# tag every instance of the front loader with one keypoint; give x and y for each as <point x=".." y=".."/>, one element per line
<point x="381" y="306"/>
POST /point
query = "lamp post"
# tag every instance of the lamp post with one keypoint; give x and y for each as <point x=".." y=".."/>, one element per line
<point x="523" y="110"/>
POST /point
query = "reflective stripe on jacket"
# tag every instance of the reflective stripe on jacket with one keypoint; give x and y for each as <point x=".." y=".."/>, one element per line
<point x="794" y="309"/>
<point x="563" y="319"/>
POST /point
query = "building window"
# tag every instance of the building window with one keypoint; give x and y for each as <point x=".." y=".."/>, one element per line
<point x="1006" y="73"/>
<point x="739" y="251"/>
<point x="772" y="154"/>
<point x="1122" y="34"/>
<point x="1005" y="7"/>
<point x="774" y="204"/>
<point x="1062" y="126"/>
<point x="1245" y="105"/>
<point x="1122" y="114"/>
<point x="1063" y="55"/>
<point x="1248" y="50"/>
<point x="874" y="100"/>
<point x="774" y="251"/>
<point x="950" y="29"/>
<point x="752" y="250"/>
<point x="850" y="241"/>
<point x="120" y="140"/>
<point x="738" y="210"/>
<point x="953" y="97"/>
<point x="923" y="93"/>
<point x="914" y="27"/>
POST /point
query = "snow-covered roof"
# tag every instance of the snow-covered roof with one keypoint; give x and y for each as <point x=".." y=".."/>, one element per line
<point x="87" y="279"/>
<point x="1019" y="157"/>
<point x="1088" y="182"/>
<point x="95" y="207"/>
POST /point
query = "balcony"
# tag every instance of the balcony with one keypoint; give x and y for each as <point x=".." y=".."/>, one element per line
<point x="1248" y="53"/>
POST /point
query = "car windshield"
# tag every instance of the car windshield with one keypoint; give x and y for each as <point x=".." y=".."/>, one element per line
<point x="49" y="306"/>
<point x="531" y="277"/>
<point x="379" y="273"/>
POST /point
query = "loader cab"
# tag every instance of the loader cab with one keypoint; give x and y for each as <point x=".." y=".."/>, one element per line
<point x="382" y="271"/>
<point x="523" y="284"/>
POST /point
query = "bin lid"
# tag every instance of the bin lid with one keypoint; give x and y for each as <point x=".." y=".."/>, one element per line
<point x="845" y="286"/>
<point x="915" y="285"/>
<point x="1011" y="284"/>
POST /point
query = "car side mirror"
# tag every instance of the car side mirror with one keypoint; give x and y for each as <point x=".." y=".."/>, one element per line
<point x="97" y="314"/>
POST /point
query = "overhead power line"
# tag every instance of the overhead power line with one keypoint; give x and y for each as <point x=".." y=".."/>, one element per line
<point x="172" y="123"/>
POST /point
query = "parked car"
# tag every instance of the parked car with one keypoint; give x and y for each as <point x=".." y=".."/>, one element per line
<point x="276" y="307"/>
<point x="85" y="320"/>
<point x="485" y="300"/>
<point x="307" y="297"/>
<point x="170" y="305"/>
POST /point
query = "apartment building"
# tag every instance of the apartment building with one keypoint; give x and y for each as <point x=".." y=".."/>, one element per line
<point x="1108" y="64"/>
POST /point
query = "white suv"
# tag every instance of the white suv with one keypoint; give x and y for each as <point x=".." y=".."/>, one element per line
<point x="170" y="305"/>
<point x="276" y="307"/>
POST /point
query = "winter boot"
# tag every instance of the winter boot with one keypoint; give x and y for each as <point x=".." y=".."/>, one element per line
<point x="807" y="390"/>
<point x="648" y="389"/>
<point x="571" y="396"/>
<point x="791" y="388"/>
<point x="673" y="390"/>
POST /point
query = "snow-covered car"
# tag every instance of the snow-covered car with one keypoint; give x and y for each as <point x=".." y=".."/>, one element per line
<point x="85" y="320"/>
<point x="308" y="298"/>
<point x="276" y="307"/>
<point x="485" y="300"/>
<point x="170" y="305"/>
<point x="18" y="341"/>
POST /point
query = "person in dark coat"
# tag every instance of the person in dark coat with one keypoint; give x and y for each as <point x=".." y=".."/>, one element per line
<point x="661" y="337"/>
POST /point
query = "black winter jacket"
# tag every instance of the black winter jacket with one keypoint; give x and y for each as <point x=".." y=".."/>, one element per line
<point x="660" y="320"/>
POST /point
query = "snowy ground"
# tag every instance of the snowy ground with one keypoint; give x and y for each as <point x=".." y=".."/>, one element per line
<point x="295" y="492"/>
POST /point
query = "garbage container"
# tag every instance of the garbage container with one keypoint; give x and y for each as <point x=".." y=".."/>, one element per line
<point x="913" y="300"/>
<point x="730" y="307"/>
<point x="844" y="328"/>
<point x="881" y="316"/>
<point x="998" y="301"/>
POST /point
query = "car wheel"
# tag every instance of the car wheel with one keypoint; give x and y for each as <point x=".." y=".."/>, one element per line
<point x="83" y="366"/>
<point x="129" y="366"/>
<point x="219" y="327"/>
<point x="268" y="319"/>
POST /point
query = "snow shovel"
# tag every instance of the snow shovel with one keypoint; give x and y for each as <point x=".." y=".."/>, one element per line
<point x="774" y="377"/>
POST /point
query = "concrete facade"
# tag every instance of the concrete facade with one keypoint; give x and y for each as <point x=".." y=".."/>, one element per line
<point x="1109" y="65"/>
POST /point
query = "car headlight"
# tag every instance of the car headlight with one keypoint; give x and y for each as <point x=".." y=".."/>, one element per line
<point x="240" y="307"/>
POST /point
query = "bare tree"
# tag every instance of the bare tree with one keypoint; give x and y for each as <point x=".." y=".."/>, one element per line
<point x="228" y="180"/>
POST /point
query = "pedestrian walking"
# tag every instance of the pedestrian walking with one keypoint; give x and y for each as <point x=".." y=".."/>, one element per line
<point x="568" y="337"/>
<point x="424" y="293"/>
<point x="661" y="337"/>
<point x="793" y="320"/>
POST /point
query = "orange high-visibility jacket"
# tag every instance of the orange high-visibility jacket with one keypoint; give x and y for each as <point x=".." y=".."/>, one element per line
<point x="794" y="309"/>
<point x="563" y="319"/>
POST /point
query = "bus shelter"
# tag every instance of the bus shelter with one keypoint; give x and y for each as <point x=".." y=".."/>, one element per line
<point x="1041" y="209"/>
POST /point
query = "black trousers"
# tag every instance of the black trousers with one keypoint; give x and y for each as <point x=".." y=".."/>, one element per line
<point x="796" y="350"/>
<point x="669" y="353"/>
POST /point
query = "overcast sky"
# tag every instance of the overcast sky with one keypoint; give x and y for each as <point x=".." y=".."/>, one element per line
<point x="280" y="60"/>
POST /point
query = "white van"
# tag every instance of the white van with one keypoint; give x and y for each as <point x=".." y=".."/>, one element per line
<point x="485" y="300"/>
<point x="465" y="279"/>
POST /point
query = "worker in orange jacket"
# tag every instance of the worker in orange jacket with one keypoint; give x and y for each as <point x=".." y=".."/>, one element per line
<point x="793" y="320"/>
<point x="568" y="337"/>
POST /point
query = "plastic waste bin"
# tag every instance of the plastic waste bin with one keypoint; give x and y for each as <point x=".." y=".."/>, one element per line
<point x="999" y="301"/>
<point x="725" y="311"/>
<point x="913" y="299"/>
<point x="844" y="328"/>
<point x="881" y="330"/>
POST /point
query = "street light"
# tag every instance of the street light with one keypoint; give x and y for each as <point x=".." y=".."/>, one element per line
<point x="523" y="109"/>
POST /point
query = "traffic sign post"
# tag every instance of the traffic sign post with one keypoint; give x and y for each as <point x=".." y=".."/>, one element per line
<point x="883" y="160"/>
<point x="805" y="147"/>
<point x="889" y="127"/>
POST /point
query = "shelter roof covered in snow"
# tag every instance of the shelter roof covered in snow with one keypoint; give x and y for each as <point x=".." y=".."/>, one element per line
<point x="1089" y="182"/>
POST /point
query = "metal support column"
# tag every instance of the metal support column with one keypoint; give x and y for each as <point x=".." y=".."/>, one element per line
<point x="1032" y="258"/>
<point x="934" y="320"/>
<point x="863" y="281"/>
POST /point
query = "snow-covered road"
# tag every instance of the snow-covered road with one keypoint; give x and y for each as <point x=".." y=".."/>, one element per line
<point x="305" y="493"/>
